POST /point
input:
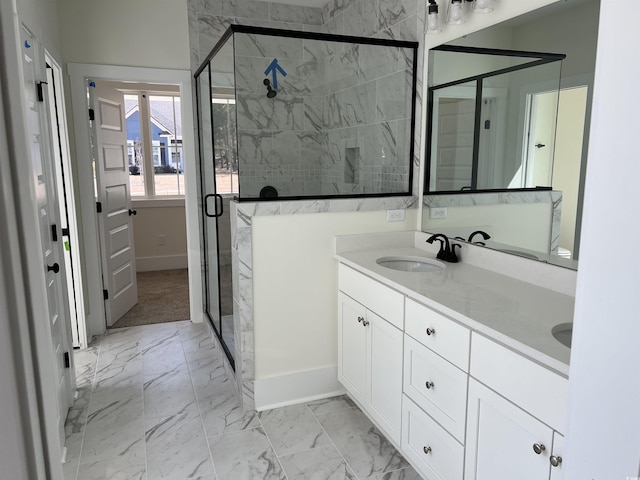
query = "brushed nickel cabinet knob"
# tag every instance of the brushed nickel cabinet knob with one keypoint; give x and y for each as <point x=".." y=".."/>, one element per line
<point x="426" y="450"/>
<point x="555" y="461"/>
<point x="429" y="385"/>
<point x="539" y="448"/>
<point x="431" y="331"/>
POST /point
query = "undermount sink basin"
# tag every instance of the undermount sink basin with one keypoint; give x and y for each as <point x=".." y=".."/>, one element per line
<point x="411" y="264"/>
<point x="562" y="332"/>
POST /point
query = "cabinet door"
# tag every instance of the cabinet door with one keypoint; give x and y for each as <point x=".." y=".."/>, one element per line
<point x="386" y="374"/>
<point x="556" y="470"/>
<point x="353" y="348"/>
<point x="501" y="439"/>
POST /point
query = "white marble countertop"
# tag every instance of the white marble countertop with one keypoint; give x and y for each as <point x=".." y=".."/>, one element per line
<point x="517" y="314"/>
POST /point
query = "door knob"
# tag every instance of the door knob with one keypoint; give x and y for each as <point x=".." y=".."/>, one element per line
<point x="133" y="212"/>
<point x="55" y="268"/>
<point x="555" y="461"/>
<point x="539" y="448"/>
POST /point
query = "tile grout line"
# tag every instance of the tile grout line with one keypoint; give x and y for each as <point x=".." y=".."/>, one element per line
<point x="266" y="434"/>
<point x="331" y="439"/>
<point x="195" y="396"/>
<point x="86" y="417"/>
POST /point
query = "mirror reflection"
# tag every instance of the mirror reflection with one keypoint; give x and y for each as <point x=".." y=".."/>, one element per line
<point x="522" y="184"/>
<point x="493" y="127"/>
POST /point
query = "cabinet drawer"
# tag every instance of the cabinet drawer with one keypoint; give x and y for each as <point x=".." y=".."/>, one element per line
<point x="539" y="391"/>
<point x="441" y="334"/>
<point x="436" y="453"/>
<point x="445" y="397"/>
<point x="377" y="297"/>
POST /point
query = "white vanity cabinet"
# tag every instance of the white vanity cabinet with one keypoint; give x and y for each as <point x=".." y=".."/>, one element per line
<point x="436" y="360"/>
<point x="460" y="405"/>
<point x="513" y="416"/>
<point x="370" y="348"/>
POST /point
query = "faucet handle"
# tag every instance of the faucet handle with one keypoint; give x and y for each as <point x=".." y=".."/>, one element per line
<point x="452" y="257"/>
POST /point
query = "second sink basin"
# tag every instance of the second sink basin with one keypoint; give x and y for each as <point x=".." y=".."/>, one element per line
<point x="411" y="264"/>
<point x="563" y="332"/>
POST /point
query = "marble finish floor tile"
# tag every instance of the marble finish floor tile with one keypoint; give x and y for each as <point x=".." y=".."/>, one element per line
<point x="245" y="455"/>
<point x="168" y="393"/>
<point x="365" y="449"/>
<point x="177" y="447"/>
<point x="293" y="429"/>
<point x="333" y="404"/>
<point x="155" y="402"/>
<point x="323" y="463"/>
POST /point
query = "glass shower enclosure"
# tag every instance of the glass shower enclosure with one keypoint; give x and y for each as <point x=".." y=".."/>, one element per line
<point x="308" y="116"/>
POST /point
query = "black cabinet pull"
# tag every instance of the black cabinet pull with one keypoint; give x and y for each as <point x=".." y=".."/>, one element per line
<point x="55" y="268"/>
<point x="133" y="212"/>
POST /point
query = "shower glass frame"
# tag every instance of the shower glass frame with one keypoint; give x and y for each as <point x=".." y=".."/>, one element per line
<point x="407" y="189"/>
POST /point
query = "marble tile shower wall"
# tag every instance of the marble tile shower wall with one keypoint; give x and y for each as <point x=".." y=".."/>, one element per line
<point x="340" y="114"/>
<point x="391" y="19"/>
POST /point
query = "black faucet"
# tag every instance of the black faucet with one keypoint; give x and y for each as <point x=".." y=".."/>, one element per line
<point x="447" y="252"/>
<point x="484" y="235"/>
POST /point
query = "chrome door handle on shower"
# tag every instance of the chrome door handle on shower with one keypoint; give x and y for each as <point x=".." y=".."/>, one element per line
<point x="218" y="211"/>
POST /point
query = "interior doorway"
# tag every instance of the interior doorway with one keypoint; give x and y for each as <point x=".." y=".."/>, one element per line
<point x="144" y="256"/>
<point x="81" y="77"/>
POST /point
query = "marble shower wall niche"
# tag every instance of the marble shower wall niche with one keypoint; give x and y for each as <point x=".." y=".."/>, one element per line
<point x="339" y="124"/>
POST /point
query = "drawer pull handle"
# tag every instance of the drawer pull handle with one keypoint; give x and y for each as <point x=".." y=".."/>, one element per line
<point x="555" y="461"/>
<point x="431" y="331"/>
<point x="539" y="448"/>
<point x="360" y="319"/>
<point x="426" y="450"/>
<point x="429" y="385"/>
<point x="365" y="322"/>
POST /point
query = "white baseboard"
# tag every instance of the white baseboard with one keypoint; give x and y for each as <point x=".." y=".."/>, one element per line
<point x="168" y="262"/>
<point x="299" y="387"/>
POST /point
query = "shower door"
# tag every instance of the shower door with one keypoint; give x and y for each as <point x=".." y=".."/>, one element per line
<point x="212" y="205"/>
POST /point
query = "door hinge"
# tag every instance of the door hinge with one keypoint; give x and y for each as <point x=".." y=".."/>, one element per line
<point x="99" y="207"/>
<point x="67" y="360"/>
<point x="105" y="294"/>
<point x="92" y="114"/>
<point x="41" y="91"/>
<point x="54" y="233"/>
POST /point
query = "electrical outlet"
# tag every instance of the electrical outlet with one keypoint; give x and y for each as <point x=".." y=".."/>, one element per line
<point x="395" y="215"/>
<point x="162" y="240"/>
<point x="437" y="213"/>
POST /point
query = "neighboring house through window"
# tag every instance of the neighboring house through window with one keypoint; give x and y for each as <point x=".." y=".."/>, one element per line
<point x="154" y="140"/>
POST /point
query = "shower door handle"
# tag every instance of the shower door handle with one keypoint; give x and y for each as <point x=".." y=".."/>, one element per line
<point x="218" y="211"/>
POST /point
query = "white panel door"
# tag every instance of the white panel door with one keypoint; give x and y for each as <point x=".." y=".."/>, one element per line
<point x="503" y="441"/>
<point x="353" y="348"/>
<point x="116" y="226"/>
<point x="51" y="249"/>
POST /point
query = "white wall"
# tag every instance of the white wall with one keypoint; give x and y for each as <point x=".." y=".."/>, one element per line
<point x="295" y="285"/>
<point x="525" y="225"/>
<point x="604" y="388"/>
<point x="141" y="33"/>
<point x="151" y="222"/>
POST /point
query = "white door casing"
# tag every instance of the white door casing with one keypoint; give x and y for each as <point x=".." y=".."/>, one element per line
<point x="46" y="201"/>
<point x="115" y="219"/>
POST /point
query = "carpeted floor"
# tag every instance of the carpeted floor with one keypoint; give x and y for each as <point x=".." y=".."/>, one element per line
<point x="163" y="296"/>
